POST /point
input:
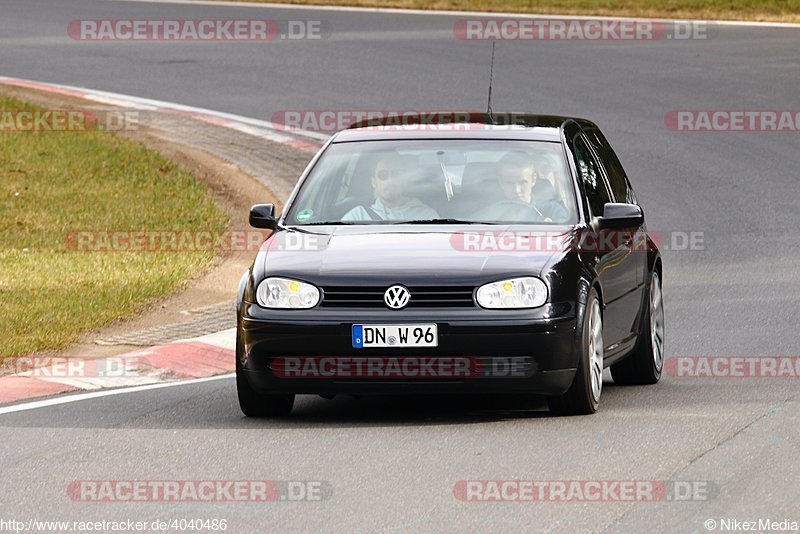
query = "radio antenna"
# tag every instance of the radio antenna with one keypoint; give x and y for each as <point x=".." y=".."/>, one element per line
<point x="491" y="75"/>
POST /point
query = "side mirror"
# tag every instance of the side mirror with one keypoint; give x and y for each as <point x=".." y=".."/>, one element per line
<point x="619" y="216"/>
<point x="263" y="216"/>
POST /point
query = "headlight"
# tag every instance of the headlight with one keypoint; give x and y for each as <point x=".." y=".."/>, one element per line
<point x="527" y="292"/>
<point x="285" y="293"/>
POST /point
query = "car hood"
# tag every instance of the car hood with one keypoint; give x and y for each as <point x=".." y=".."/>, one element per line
<point x="346" y="255"/>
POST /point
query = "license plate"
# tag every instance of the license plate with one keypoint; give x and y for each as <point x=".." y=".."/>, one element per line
<point x="395" y="335"/>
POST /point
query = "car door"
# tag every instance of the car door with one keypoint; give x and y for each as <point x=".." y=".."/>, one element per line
<point x="621" y="191"/>
<point x="611" y="256"/>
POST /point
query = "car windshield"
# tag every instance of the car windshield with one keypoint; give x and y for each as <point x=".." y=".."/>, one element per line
<point x="436" y="182"/>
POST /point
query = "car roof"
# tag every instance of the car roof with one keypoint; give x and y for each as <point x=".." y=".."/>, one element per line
<point x="459" y="125"/>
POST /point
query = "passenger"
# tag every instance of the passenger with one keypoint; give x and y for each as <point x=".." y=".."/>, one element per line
<point x="391" y="201"/>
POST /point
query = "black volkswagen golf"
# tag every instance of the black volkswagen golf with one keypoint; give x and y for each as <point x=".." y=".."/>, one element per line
<point x="495" y="254"/>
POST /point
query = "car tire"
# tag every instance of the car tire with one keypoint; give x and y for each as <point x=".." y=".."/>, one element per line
<point x="583" y="396"/>
<point x="253" y="403"/>
<point x="644" y="365"/>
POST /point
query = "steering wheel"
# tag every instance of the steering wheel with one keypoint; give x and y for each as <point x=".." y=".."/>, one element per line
<point x="510" y="210"/>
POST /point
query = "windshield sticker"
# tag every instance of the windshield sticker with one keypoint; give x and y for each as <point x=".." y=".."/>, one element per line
<point x="305" y="215"/>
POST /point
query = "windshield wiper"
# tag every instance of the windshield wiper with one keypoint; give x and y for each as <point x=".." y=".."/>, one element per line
<point x="442" y="221"/>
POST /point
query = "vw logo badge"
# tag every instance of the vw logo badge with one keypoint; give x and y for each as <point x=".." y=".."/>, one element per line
<point x="396" y="297"/>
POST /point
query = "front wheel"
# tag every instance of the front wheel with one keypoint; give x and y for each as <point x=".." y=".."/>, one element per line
<point x="253" y="403"/>
<point x="644" y="364"/>
<point x="583" y="396"/>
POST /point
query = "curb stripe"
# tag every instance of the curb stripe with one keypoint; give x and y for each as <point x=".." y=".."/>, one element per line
<point x="297" y="138"/>
<point x="172" y="363"/>
<point x="178" y="361"/>
<point x="14" y="388"/>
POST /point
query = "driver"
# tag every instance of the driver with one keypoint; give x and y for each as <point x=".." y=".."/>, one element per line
<point x="391" y="201"/>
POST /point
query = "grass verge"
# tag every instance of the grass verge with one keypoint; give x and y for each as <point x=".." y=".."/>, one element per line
<point x="752" y="10"/>
<point x="55" y="183"/>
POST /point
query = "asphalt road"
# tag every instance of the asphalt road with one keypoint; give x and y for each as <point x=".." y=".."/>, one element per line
<point x="392" y="463"/>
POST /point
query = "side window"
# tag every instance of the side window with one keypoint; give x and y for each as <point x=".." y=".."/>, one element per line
<point x="593" y="184"/>
<point x="616" y="174"/>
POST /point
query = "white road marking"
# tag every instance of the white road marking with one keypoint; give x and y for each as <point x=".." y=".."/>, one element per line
<point x="249" y="125"/>
<point x="398" y="11"/>
<point x="106" y="393"/>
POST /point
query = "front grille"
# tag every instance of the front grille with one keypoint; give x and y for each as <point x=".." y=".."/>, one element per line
<point x="421" y="297"/>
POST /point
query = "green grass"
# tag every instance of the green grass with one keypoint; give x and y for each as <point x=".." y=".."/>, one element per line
<point x="756" y="10"/>
<point x="53" y="183"/>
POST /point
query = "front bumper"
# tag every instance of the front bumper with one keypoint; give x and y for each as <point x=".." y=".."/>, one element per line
<point x="520" y="351"/>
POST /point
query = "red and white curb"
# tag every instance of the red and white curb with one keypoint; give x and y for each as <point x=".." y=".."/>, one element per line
<point x="297" y="138"/>
<point x="200" y="357"/>
<point x="196" y="359"/>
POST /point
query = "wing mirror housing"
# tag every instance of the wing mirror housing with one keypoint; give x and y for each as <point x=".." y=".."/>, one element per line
<point x="263" y="216"/>
<point x="619" y="215"/>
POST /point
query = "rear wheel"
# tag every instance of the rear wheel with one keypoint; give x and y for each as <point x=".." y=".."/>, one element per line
<point x="645" y="363"/>
<point x="583" y="396"/>
<point x="253" y="403"/>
